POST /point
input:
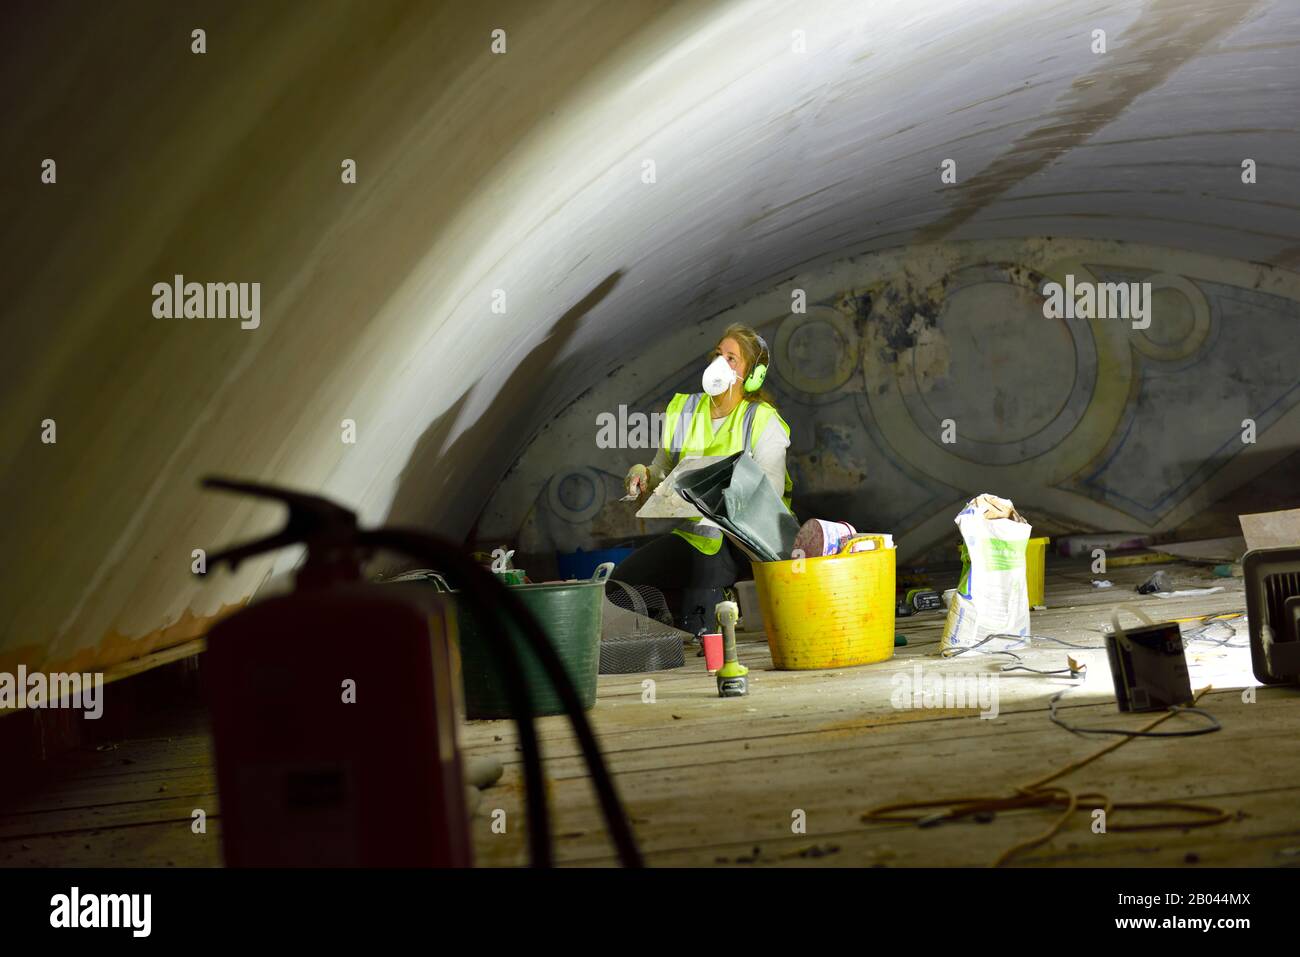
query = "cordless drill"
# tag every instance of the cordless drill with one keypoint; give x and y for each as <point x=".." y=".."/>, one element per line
<point x="732" y="682"/>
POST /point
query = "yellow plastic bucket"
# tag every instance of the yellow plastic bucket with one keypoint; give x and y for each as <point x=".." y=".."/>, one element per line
<point x="1036" y="569"/>
<point x="829" y="612"/>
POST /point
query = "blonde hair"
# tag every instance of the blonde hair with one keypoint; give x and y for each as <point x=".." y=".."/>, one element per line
<point x="751" y="350"/>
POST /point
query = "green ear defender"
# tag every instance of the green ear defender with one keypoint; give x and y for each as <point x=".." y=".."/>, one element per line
<point x="754" y="381"/>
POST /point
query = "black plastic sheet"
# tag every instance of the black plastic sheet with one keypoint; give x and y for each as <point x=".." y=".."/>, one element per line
<point x="735" y="494"/>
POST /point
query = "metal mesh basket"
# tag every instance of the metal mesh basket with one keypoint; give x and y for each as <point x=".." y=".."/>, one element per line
<point x="645" y="600"/>
<point x="637" y="633"/>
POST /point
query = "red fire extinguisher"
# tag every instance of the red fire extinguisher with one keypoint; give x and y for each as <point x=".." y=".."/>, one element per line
<point x="334" y="706"/>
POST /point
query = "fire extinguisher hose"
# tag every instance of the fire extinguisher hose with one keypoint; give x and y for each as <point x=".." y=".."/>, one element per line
<point x="334" y="548"/>
<point x="488" y="595"/>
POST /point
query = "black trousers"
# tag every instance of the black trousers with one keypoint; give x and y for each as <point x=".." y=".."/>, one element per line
<point x="687" y="577"/>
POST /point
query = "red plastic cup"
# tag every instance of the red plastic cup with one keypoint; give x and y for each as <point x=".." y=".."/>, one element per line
<point x="712" y="651"/>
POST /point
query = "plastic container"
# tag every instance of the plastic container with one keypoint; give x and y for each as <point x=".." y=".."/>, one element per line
<point x="751" y="611"/>
<point x="570" y="614"/>
<point x="582" y="564"/>
<point x="1036" y="569"/>
<point x="831" y="612"/>
<point x="712" y="651"/>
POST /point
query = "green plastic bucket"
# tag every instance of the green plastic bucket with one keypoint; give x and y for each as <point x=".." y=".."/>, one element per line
<point x="569" y="613"/>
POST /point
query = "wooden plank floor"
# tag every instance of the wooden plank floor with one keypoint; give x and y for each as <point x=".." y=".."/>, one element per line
<point x="713" y="782"/>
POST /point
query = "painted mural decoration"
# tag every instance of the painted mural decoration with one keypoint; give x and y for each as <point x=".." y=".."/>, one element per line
<point x="916" y="378"/>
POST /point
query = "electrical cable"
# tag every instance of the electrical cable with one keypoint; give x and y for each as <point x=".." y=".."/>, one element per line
<point x="1212" y="616"/>
<point x="1201" y="635"/>
<point x="1174" y="709"/>
<point x="1019" y="666"/>
<point x="1068" y="644"/>
<point x="486" y="589"/>
<point x="1037" y="794"/>
<point x="505" y="658"/>
<point x="1122" y="639"/>
<point x="1026" y="639"/>
<point x="1204" y="623"/>
<point x="330" y="532"/>
<point x="983" y="641"/>
<point x="304" y="526"/>
<point x="1072" y="672"/>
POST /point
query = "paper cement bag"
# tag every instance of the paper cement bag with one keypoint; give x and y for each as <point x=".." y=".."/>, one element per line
<point x="992" y="597"/>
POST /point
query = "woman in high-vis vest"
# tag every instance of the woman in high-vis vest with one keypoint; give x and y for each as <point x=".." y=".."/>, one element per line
<point x="692" y="565"/>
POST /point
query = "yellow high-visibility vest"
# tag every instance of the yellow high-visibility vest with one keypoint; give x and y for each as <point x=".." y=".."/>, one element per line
<point x="688" y="432"/>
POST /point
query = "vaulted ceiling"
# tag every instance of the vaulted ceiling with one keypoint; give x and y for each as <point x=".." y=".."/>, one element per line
<point x="619" y="170"/>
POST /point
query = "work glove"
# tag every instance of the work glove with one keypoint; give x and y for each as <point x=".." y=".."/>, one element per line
<point x="636" y="483"/>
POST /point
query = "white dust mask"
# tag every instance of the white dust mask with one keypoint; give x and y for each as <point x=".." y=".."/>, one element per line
<point x="719" y="376"/>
